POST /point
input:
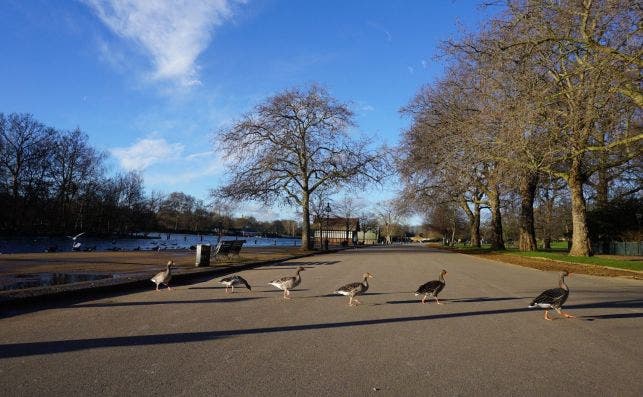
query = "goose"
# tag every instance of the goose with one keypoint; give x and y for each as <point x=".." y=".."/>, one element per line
<point x="233" y="281"/>
<point x="287" y="283"/>
<point x="164" y="277"/>
<point x="553" y="298"/>
<point x="432" y="288"/>
<point x="353" y="289"/>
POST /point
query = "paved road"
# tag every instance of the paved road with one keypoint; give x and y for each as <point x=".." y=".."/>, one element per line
<point x="196" y="340"/>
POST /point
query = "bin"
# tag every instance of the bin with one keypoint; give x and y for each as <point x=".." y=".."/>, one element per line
<point x="202" y="255"/>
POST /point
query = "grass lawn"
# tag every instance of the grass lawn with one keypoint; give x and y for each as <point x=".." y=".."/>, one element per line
<point x="602" y="260"/>
<point x="559" y="253"/>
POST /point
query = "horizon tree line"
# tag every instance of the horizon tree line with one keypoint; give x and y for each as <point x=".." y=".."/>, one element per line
<point x="53" y="182"/>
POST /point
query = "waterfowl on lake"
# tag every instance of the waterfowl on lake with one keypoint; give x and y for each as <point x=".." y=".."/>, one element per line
<point x="164" y="277"/>
<point x="553" y="298"/>
<point x="288" y="283"/>
<point x="353" y="289"/>
<point x="234" y="281"/>
<point x="432" y="288"/>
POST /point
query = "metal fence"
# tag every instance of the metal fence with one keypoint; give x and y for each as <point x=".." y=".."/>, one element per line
<point x="627" y="248"/>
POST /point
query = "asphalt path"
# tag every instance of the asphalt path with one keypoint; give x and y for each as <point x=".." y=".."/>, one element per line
<point x="197" y="340"/>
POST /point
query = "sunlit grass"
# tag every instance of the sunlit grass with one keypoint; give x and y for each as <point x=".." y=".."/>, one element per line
<point x="592" y="260"/>
<point x="558" y="253"/>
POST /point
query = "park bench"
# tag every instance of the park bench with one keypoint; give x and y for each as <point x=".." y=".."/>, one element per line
<point x="222" y="249"/>
<point x="228" y="248"/>
<point x="236" y="247"/>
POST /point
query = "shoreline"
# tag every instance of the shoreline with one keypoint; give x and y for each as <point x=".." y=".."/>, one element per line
<point x="133" y="269"/>
<point x="163" y="242"/>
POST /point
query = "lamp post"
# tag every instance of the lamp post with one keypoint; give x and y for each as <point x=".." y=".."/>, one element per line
<point x="327" y="209"/>
<point x="321" y="232"/>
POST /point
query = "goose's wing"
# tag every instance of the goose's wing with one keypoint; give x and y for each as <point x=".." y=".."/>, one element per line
<point x="283" y="282"/>
<point x="243" y="281"/>
<point x="349" y="288"/>
<point x="550" y="297"/>
<point x="429" y="287"/>
<point x="78" y="235"/>
<point x="158" y="277"/>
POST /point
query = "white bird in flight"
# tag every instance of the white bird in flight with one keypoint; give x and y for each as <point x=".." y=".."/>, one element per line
<point x="76" y="245"/>
<point x="76" y="236"/>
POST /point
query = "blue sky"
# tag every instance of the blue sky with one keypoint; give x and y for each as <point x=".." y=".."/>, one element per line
<point x="151" y="81"/>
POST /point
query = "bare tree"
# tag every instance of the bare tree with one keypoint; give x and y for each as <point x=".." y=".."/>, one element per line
<point x="590" y="53"/>
<point x="553" y="210"/>
<point x="607" y="29"/>
<point x="23" y="144"/>
<point x="560" y="81"/>
<point x="293" y="144"/>
<point x="445" y="153"/>
<point x="74" y="165"/>
<point x="389" y="217"/>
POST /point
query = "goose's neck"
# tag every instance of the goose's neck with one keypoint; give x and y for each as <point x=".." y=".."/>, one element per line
<point x="442" y="277"/>
<point x="365" y="282"/>
<point x="562" y="284"/>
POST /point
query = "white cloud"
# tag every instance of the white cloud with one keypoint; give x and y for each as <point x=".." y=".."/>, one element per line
<point x="194" y="156"/>
<point x="173" y="33"/>
<point x="411" y="69"/>
<point x="146" y="152"/>
<point x="424" y="63"/>
<point x="266" y="213"/>
<point x="188" y="171"/>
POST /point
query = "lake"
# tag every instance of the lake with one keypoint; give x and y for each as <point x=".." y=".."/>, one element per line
<point x="154" y="241"/>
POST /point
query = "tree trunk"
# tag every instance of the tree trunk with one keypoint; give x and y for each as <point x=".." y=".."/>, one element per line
<point x="474" y="221"/>
<point x="602" y="185"/>
<point x="497" y="242"/>
<point x="453" y="226"/>
<point x="528" y="186"/>
<point x="474" y="227"/>
<point x="602" y="189"/>
<point x="305" y="227"/>
<point x="549" y="211"/>
<point x="580" y="235"/>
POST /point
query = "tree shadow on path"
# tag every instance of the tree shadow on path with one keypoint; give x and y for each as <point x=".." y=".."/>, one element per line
<point x="61" y="346"/>
<point x="462" y="300"/>
<point x="172" y="302"/>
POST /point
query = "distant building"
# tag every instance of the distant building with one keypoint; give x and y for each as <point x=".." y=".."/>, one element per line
<point x="337" y="230"/>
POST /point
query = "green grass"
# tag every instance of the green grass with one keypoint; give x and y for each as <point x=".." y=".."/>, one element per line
<point x="592" y="260"/>
<point x="558" y="253"/>
<point x="559" y="245"/>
